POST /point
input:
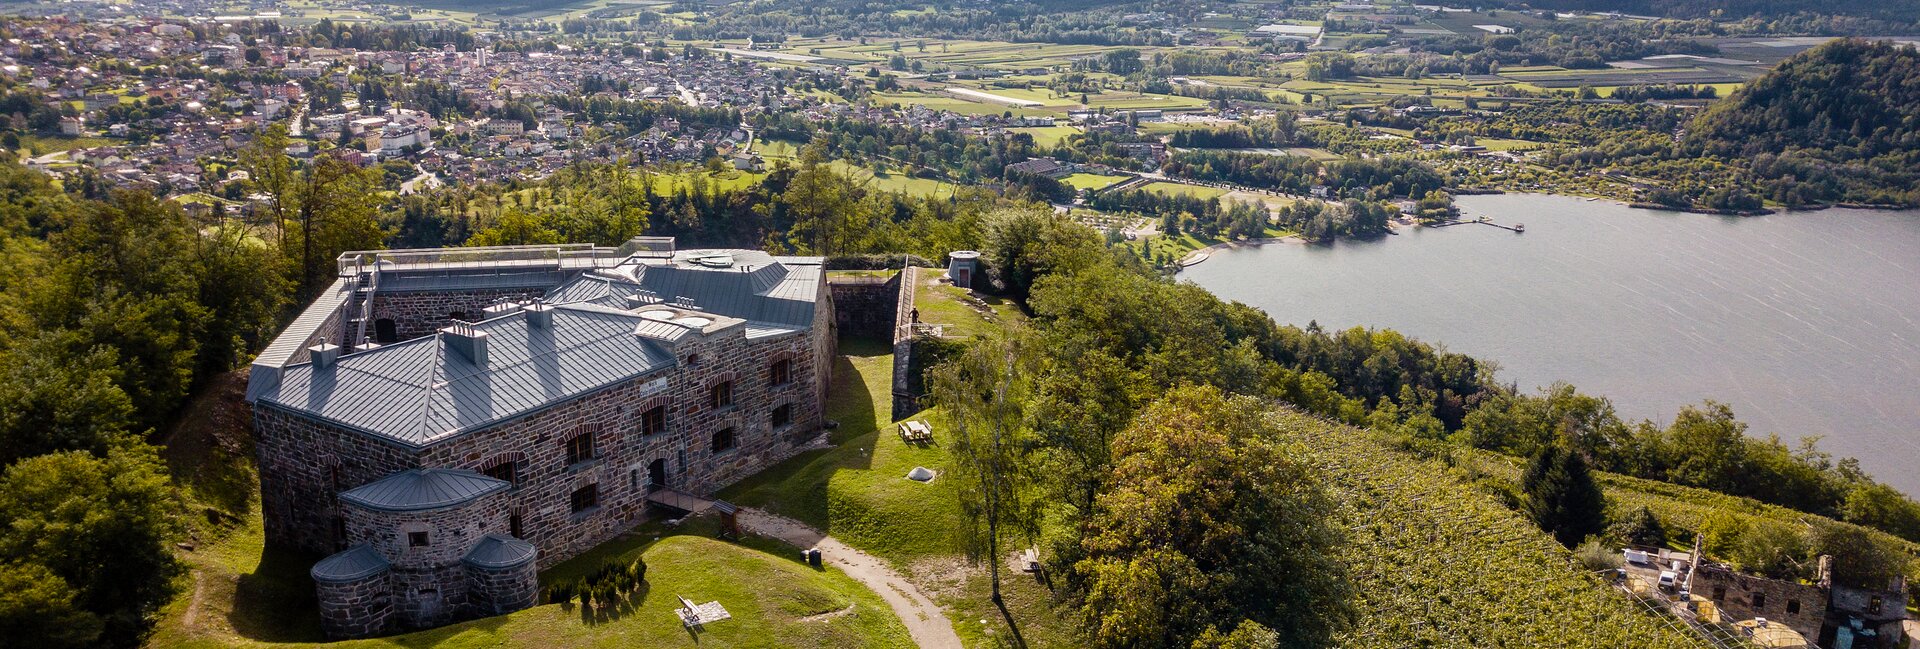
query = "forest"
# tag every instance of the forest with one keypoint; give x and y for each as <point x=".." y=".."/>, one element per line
<point x="1838" y="123"/>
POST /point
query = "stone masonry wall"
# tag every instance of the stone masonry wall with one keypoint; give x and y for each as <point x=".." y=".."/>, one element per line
<point x="304" y="465"/>
<point x="620" y="467"/>
<point x="416" y="314"/>
<point x="451" y="532"/>
<point x="504" y="590"/>
<point x="1734" y="594"/>
<point x="423" y="599"/>
<point x="865" y="306"/>
<point x="356" y="609"/>
<point x="905" y="402"/>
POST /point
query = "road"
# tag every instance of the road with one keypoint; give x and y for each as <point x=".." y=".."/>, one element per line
<point x="924" y="619"/>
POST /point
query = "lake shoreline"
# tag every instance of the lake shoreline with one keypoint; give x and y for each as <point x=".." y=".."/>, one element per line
<point x="1194" y="258"/>
<point x="1803" y="325"/>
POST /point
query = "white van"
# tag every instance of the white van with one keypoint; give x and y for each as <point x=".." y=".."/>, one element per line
<point x="1669" y="580"/>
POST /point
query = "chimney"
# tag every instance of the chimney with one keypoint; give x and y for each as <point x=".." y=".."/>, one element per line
<point x="539" y="315"/>
<point x="1823" y="577"/>
<point x="463" y="339"/>
<point x="323" y="355"/>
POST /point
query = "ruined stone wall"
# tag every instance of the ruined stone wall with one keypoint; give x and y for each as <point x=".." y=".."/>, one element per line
<point x="1736" y="594"/>
<point x="356" y="609"/>
<point x="421" y="313"/>
<point x="304" y="465"/>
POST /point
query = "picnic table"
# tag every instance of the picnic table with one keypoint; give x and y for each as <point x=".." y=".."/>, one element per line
<point x="916" y="431"/>
<point x="692" y="614"/>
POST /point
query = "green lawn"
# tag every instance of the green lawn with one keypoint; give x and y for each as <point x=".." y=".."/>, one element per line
<point x="895" y="181"/>
<point x="1184" y="189"/>
<point x="1047" y="136"/>
<point x="667" y="183"/>
<point x="774" y="601"/>
<point x="1084" y="181"/>
<point x="858" y="491"/>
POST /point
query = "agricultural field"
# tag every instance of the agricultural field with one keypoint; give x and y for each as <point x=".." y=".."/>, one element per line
<point x="1436" y="563"/>
<point x="944" y="101"/>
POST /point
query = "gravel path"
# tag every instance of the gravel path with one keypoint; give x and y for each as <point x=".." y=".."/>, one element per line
<point x="923" y="618"/>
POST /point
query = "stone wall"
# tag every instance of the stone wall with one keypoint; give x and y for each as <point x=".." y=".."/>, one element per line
<point x="421" y="313"/>
<point x="620" y="468"/>
<point x="503" y="590"/>
<point x="1736" y="594"/>
<point x="304" y="465"/>
<point x="426" y="598"/>
<point x="866" y="306"/>
<point x="356" y="609"/>
<point x="905" y="401"/>
<point x="451" y="531"/>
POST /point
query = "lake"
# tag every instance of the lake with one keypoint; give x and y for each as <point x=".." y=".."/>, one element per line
<point x="1806" y="323"/>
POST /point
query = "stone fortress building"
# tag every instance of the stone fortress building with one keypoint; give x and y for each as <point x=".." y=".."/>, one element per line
<point x="445" y="423"/>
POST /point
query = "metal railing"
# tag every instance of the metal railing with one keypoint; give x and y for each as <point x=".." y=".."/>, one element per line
<point x="567" y="255"/>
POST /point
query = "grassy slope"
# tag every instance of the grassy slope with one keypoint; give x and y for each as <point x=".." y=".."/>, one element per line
<point x="858" y="493"/>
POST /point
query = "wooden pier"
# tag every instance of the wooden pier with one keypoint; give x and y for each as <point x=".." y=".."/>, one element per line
<point x="1517" y="227"/>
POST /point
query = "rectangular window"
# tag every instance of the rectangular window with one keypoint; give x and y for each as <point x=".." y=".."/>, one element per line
<point x="580" y="448"/>
<point x="417" y="539"/>
<point x="653" y="421"/>
<point x="722" y="395"/>
<point x="1719" y="593"/>
<point x="513" y="526"/>
<point x="783" y="415"/>
<point x="1873" y="605"/>
<point x="503" y="472"/>
<point x="1759" y="601"/>
<point x="723" y="440"/>
<point x="585" y="498"/>
<point x="1793" y="606"/>
<point x="780" y="373"/>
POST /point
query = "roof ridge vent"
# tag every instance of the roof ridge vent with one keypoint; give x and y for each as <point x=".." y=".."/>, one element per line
<point x="467" y="340"/>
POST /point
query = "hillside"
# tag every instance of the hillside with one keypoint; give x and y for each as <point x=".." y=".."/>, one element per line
<point x="1840" y="122"/>
<point x="1423" y="547"/>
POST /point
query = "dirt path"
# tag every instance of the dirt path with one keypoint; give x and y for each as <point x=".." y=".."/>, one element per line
<point x="923" y="618"/>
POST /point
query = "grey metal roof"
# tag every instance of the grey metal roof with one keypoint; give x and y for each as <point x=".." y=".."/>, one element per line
<point x="755" y="286"/>
<point x="351" y="564"/>
<point x="423" y="391"/>
<point x="292" y="341"/>
<point x="419" y="391"/>
<point x="500" y="551"/>
<point x="417" y="490"/>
